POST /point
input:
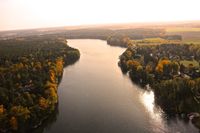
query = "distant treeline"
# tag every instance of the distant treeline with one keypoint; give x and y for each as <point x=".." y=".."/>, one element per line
<point x="139" y="33"/>
<point x="92" y="33"/>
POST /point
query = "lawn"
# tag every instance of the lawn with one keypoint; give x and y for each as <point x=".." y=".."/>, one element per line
<point x="187" y="62"/>
<point x="154" y="41"/>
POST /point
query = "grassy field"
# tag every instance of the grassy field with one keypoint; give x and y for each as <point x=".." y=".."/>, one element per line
<point x="187" y="62"/>
<point x="190" y="41"/>
<point x="182" y="29"/>
<point x="154" y="41"/>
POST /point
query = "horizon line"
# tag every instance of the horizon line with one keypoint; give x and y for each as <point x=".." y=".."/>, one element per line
<point x="98" y="25"/>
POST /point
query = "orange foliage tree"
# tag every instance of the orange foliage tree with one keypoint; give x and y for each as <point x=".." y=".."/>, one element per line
<point x="13" y="123"/>
<point x="159" y="67"/>
<point x="1" y="109"/>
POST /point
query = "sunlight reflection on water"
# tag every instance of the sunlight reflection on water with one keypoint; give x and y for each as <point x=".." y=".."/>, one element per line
<point x="155" y="113"/>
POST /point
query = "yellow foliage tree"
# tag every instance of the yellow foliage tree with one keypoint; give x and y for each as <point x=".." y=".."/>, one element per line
<point x="52" y="76"/>
<point x="53" y="95"/>
<point x="128" y="53"/>
<point x="132" y="64"/>
<point x="38" y="65"/>
<point x="17" y="66"/>
<point x="50" y="84"/>
<point x="191" y="83"/>
<point x="139" y="68"/>
<point x="20" y="111"/>
<point x="59" y="66"/>
<point x="43" y="103"/>
<point x="149" y="68"/>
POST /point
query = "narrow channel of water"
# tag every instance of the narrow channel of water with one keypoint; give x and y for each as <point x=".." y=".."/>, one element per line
<point x="95" y="97"/>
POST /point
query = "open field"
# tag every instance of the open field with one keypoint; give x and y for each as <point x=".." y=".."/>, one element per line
<point x="183" y="29"/>
<point x="155" y="41"/>
<point x="188" y="62"/>
<point x="190" y="41"/>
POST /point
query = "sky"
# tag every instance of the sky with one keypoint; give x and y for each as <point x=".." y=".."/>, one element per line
<point x="27" y="14"/>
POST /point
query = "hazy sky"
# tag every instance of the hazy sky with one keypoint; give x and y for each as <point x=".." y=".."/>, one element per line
<point x="22" y="14"/>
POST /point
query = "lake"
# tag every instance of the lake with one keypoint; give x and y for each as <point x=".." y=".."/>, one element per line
<point x="96" y="97"/>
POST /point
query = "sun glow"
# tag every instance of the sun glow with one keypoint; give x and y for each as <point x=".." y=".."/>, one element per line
<point x="43" y="13"/>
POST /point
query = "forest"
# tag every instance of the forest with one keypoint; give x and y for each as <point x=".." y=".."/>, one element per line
<point x="172" y="71"/>
<point x="30" y="71"/>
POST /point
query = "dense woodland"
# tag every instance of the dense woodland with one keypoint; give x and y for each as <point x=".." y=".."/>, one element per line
<point x="171" y="70"/>
<point x="30" y="71"/>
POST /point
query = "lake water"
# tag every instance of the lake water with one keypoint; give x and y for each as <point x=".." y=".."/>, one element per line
<point x="95" y="97"/>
